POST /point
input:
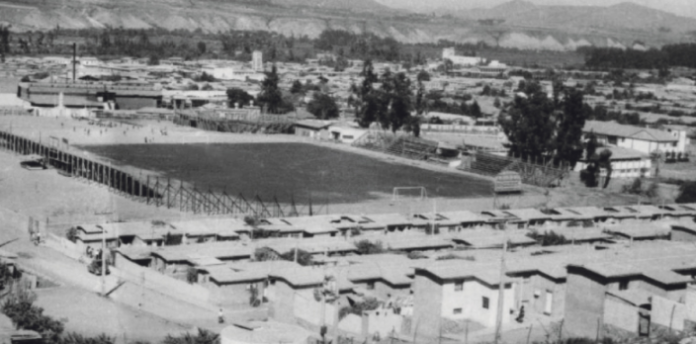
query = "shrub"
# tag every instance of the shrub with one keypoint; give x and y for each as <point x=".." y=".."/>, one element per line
<point x="71" y="234"/>
<point x="368" y="247"/>
<point x="192" y="275"/>
<point x="24" y="315"/>
<point x="549" y="238"/>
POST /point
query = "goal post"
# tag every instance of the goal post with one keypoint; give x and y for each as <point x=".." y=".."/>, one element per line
<point x="417" y="192"/>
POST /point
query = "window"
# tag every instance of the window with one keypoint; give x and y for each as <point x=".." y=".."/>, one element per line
<point x="623" y="285"/>
<point x="370" y="285"/>
<point x="458" y="286"/>
<point x="485" y="302"/>
<point x="457" y="311"/>
<point x="612" y="140"/>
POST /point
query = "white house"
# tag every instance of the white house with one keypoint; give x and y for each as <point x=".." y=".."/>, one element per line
<point x="644" y="140"/>
<point x="220" y="72"/>
<point x="450" y="54"/>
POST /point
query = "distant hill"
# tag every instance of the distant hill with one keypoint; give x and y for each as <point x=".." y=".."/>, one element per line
<point x="351" y="5"/>
<point x="623" y="16"/>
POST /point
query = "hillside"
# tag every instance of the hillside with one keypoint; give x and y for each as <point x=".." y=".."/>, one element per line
<point x="526" y="25"/>
<point x="352" y="6"/>
<point x="620" y="17"/>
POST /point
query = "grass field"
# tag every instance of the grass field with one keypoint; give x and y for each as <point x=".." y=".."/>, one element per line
<point x="290" y="171"/>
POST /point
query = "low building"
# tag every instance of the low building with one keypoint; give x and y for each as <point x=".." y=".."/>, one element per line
<point x="313" y="129"/>
<point x="644" y="140"/>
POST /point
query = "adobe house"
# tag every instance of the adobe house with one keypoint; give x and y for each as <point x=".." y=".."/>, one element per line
<point x="457" y="291"/>
<point x="592" y="291"/>
<point x="295" y="300"/>
<point x="684" y="232"/>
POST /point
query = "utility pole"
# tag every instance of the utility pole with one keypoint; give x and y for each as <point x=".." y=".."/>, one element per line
<point x="103" y="257"/>
<point x="501" y="292"/>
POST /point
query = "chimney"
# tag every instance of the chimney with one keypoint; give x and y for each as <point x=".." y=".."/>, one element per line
<point x="74" y="60"/>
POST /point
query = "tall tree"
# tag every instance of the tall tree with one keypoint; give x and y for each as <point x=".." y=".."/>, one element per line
<point x="530" y="124"/>
<point x="365" y="98"/>
<point x="571" y="121"/>
<point x="396" y="101"/>
<point x="322" y="106"/>
<point x="238" y="96"/>
<point x="270" y="97"/>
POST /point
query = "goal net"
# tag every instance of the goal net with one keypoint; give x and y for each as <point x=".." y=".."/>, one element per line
<point x="410" y="193"/>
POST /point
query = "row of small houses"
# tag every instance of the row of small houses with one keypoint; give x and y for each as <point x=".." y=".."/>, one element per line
<point x="600" y="281"/>
<point x="616" y="275"/>
<point x="160" y="233"/>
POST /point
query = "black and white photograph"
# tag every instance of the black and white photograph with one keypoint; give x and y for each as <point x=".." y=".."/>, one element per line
<point x="347" y="172"/>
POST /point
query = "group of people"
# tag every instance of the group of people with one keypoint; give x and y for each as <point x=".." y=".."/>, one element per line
<point x="93" y="253"/>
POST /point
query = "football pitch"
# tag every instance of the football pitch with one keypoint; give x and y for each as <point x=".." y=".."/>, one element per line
<point x="290" y="171"/>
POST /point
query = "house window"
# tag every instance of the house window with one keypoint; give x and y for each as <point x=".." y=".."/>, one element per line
<point x="612" y="140"/>
<point x="370" y="285"/>
<point x="458" y="286"/>
<point x="486" y="303"/>
<point x="623" y="285"/>
<point x="457" y="311"/>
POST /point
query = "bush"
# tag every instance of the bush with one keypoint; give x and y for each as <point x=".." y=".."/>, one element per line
<point x="75" y="338"/>
<point x="369" y="304"/>
<point x="203" y="337"/>
<point x="635" y="188"/>
<point x="687" y="193"/>
<point x="549" y="238"/>
<point x="191" y="275"/>
<point x="24" y="315"/>
<point x="71" y="234"/>
<point x="368" y="247"/>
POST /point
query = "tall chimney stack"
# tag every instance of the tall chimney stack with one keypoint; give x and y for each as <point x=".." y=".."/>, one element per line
<point x="74" y="60"/>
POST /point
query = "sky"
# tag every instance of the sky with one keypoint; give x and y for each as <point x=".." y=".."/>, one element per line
<point x="680" y="7"/>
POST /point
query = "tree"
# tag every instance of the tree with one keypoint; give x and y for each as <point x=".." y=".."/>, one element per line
<point x="423" y="76"/>
<point x="687" y="193"/>
<point x="238" y="96"/>
<point x="420" y="103"/>
<point x="365" y="98"/>
<point x="475" y="110"/>
<point x="447" y="66"/>
<point x="395" y="104"/>
<point x="368" y="247"/>
<point x="270" y="97"/>
<point x="24" y="315"/>
<point x="497" y="103"/>
<point x="202" y="47"/>
<point x="154" y="60"/>
<point x="530" y="124"/>
<point x="571" y="120"/>
<point x="322" y="106"/>
<point x="595" y="163"/>
<point x="296" y="87"/>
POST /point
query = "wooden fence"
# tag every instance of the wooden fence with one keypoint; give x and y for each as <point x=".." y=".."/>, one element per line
<point x="153" y="190"/>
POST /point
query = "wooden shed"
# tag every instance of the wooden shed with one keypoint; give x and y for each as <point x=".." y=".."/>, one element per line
<point x="507" y="182"/>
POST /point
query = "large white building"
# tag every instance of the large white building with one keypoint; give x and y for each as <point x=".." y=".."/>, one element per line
<point x="451" y="54"/>
<point x="644" y="140"/>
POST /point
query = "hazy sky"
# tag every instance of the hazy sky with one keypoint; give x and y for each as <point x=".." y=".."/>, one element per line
<point x="680" y="7"/>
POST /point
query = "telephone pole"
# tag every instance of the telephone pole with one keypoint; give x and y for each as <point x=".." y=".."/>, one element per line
<point x="501" y="291"/>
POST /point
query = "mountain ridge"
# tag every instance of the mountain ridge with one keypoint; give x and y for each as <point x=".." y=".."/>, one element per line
<point x="525" y="25"/>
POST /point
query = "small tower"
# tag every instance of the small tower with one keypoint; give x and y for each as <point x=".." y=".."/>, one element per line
<point x="257" y="61"/>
